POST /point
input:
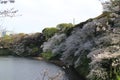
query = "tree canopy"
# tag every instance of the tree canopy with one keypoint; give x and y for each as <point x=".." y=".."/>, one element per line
<point x="111" y="5"/>
<point x="64" y="27"/>
<point x="49" y="32"/>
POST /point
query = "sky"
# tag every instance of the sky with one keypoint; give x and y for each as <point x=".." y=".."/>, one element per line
<point x="39" y="14"/>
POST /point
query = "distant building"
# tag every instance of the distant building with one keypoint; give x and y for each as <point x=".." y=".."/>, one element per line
<point x="3" y="33"/>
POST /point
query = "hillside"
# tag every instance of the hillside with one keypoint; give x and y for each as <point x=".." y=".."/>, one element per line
<point x="90" y="48"/>
<point x="93" y="47"/>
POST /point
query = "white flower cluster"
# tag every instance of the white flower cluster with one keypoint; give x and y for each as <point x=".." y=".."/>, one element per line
<point x="111" y="5"/>
<point x="87" y="42"/>
<point x="53" y="42"/>
<point x="97" y="61"/>
<point x="98" y="74"/>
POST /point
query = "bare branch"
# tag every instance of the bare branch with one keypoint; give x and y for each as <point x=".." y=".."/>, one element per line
<point x="7" y="1"/>
<point x="8" y="13"/>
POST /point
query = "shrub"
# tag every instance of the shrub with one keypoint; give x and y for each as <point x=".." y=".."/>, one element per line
<point x="47" y="55"/>
<point x="49" y="32"/>
<point x="64" y="27"/>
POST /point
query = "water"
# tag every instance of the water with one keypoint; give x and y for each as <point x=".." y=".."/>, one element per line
<point x="27" y="69"/>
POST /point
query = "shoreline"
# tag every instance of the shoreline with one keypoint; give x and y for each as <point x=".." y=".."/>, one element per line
<point x="71" y="73"/>
<point x="69" y="70"/>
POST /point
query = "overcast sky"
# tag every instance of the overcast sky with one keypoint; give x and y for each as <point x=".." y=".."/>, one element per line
<point x="38" y="14"/>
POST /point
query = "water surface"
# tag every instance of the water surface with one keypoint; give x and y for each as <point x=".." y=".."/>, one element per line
<point x="27" y="69"/>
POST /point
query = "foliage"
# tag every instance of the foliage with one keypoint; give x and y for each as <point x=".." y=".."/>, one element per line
<point x="5" y="52"/>
<point x="22" y="44"/>
<point x="49" y="32"/>
<point x="6" y="41"/>
<point x="47" y="55"/>
<point x="104" y="14"/>
<point x="34" y="50"/>
<point x="64" y="27"/>
<point x="83" y="67"/>
<point x="107" y="69"/>
<point x="92" y="55"/>
<point x="115" y="3"/>
<point x="28" y="45"/>
<point x="118" y="77"/>
<point x="60" y="28"/>
<point x="53" y="43"/>
<point x="111" y="5"/>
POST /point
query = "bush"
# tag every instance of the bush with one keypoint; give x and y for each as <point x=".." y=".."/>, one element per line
<point x="49" y="32"/>
<point x="64" y="27"/>
<point x="5" y="52"/>
<point x="47" y="55"/>
<point x="34" y="50"/>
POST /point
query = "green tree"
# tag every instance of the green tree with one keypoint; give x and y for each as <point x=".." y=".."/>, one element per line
<point x="64" y="27"/>
<point x="6" y="41"/>
<point x="49" y="32"/>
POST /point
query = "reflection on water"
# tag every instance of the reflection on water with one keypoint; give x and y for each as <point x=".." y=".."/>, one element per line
<point x="27" y="69"/>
